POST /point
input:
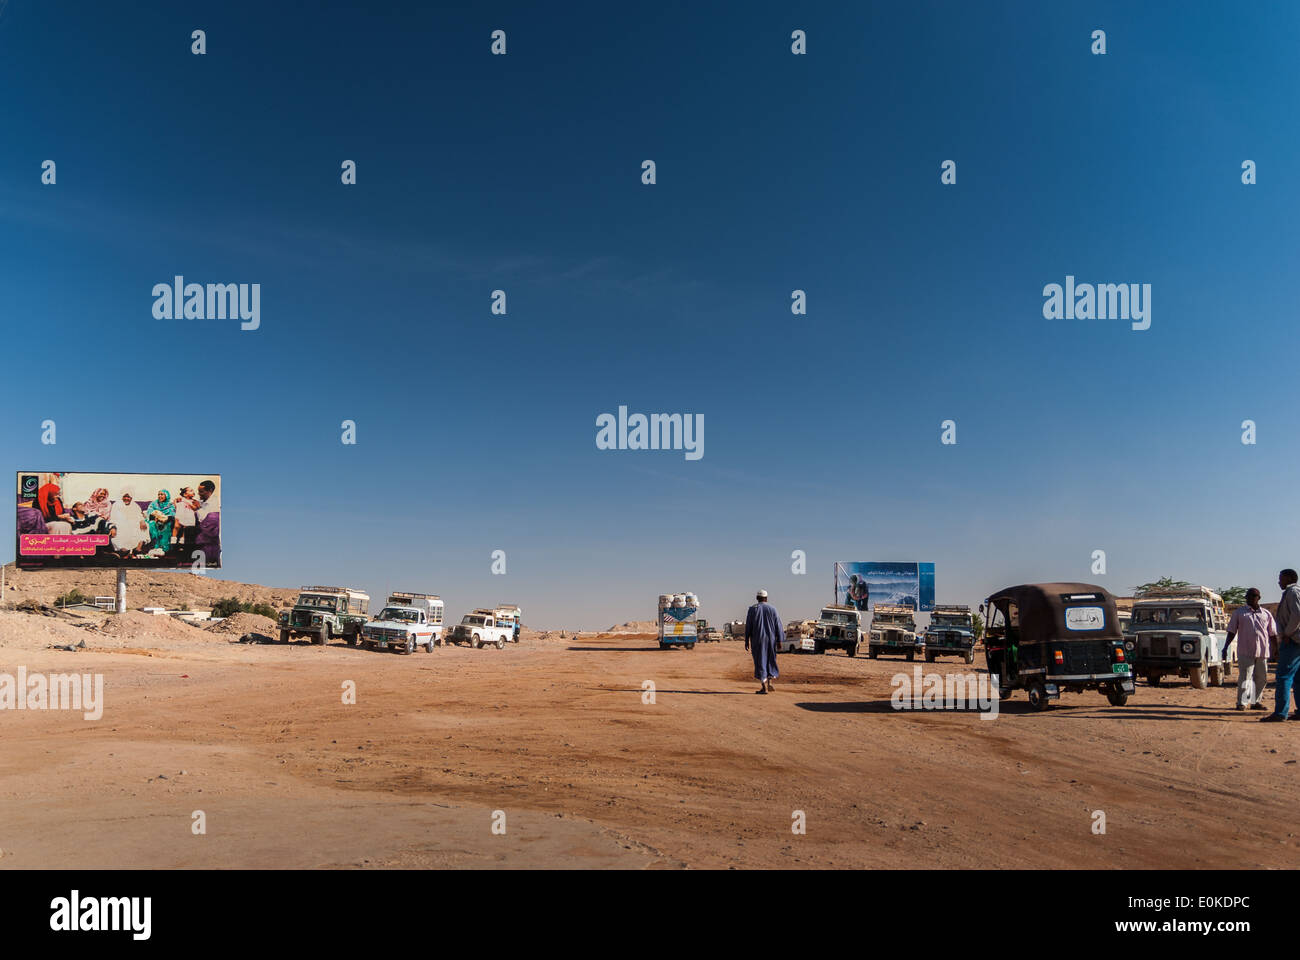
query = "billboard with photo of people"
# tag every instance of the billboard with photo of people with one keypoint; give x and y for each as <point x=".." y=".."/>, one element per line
<point x="865" y="584"/>
<point x="145" y="520"/>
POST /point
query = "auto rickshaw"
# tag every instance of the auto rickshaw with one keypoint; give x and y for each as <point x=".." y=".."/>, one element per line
<point x="1047" y="637"/>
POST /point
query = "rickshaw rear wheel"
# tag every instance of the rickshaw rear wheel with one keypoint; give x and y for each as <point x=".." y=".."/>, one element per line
<point x="1117" y="697"/>
<point x="1037" y="696"/>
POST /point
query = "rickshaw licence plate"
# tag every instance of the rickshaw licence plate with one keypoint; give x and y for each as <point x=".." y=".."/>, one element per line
<point x="1119" y="668"/>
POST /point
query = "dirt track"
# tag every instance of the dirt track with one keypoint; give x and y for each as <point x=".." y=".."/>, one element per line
<point x="555" y="734"/>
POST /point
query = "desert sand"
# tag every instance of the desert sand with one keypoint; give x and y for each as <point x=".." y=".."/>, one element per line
<point x="554" y="733"/>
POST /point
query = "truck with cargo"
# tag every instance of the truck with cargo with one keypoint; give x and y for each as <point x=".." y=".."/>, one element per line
<point x="509" y="615"/>
<point x="677" y="619"/>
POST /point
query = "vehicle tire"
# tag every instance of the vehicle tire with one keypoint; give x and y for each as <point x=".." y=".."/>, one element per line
<point x="852" y="651"/>
<point x="819" y="647"/>
<point x="929" y="656"/>
<point x="1216" y="676"/>
<point x="410" y="644"/>
<point x="429" y="645"/>
<point x="284" y="636"/>
<point x="501" y="644"/>
<point x="872" y="652"/>
<point x="911" y="655"/>
<point x="690" y="646"/>
<point x="1117" y="697"/>
<point x="350" y="639"/>
<point x="1037" y="697"/>
<point x="476" y="642"/>
<point x="1153" y="679"/>
<point x="970" y="656"/>
<point x="1196" y="676"/>
<point x="322" y="638"/>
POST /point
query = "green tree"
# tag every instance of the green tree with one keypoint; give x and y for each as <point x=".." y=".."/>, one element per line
<point x="1164" y="583"/>
<point x="979" y="626"/>
<point x="72" y="596"/>
<point x="1235" y="595"/>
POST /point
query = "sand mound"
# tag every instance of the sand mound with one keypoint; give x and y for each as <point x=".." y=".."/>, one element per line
<point x="634" y="626"/>
<point x="145" y="626"/>
<point x="241" y="623"/>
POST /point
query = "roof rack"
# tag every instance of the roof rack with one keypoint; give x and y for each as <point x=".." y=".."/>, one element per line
<point x="1199" y="592"/>
<point x="894" y="608"/>
<point x="335" y="590"/>
<point x="950" y="608"/>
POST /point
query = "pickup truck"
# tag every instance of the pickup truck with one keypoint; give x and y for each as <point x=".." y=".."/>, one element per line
<point x="480" y="629"/>
<point x="401" y="629"/>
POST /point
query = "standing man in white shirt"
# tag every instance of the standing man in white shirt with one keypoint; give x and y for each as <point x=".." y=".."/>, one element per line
<point x="1253" y="626"/>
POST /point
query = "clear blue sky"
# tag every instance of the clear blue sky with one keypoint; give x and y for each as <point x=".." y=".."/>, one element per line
<point x="775" y="172"/>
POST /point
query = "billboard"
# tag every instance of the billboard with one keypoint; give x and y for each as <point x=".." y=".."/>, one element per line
<point x="69" y="521"/>
<point x="863" y="585"/>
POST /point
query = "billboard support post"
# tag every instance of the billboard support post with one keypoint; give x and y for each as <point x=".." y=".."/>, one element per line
<point x="120" y="605"/>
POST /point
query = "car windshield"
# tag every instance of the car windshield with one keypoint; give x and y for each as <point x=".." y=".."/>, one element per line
<point x="472" y="620"/>
<point x="314" y="600"/>
<point x="399" y="613"/>
<point x="1181" y="616"/>
<point x="950" y="621"/>
<point x="836" y="616"/>
<point x="893" y="618"/>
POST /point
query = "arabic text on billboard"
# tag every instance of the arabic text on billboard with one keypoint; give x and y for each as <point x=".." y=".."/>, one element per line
<point x="865" y="584"/>
<point x="132" y="520"/>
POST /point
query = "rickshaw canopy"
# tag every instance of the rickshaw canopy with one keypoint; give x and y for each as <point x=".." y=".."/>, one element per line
<point x="1061" y="611"/>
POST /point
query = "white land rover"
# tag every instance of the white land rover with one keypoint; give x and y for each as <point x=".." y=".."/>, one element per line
<point x="402" y="629"/>
<point x="478" y="629"/>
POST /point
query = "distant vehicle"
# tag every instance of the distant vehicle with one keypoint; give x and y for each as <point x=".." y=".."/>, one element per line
<point x="480" y="629"/>
<point x="403" y="629"/>
<point x="1047" y="637"/>
<point x="1180" y="631"/>
<point x="507" y="614"/>
<point x="677" y="618"/>
<point x="893" y="631"/>
<point x="733" y="630"/>
<point x="838" y="627"/>
<point x="324" y="613"/>
<point x="707" y="633"/>
<point x="799" y="637"/>
<point x="951" y="633"/>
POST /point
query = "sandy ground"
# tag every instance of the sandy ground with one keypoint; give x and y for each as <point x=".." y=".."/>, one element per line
<point x="554" y="733"/>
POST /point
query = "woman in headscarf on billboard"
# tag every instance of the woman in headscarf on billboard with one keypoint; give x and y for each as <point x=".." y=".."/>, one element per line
<point x="161" y="515"/>
<point x="98" y="505"/>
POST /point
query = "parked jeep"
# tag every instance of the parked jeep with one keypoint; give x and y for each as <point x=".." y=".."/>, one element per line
<point x="951" y="632"/>
<point x="402" y="629"/>
<point x="1181" y="631"/>
<point x="840" y="625"/>
<point x="893" y="631"/>
<point x="479" y="629"/>
<point x="324" y="613"/>
<point x="707" y="633"/>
